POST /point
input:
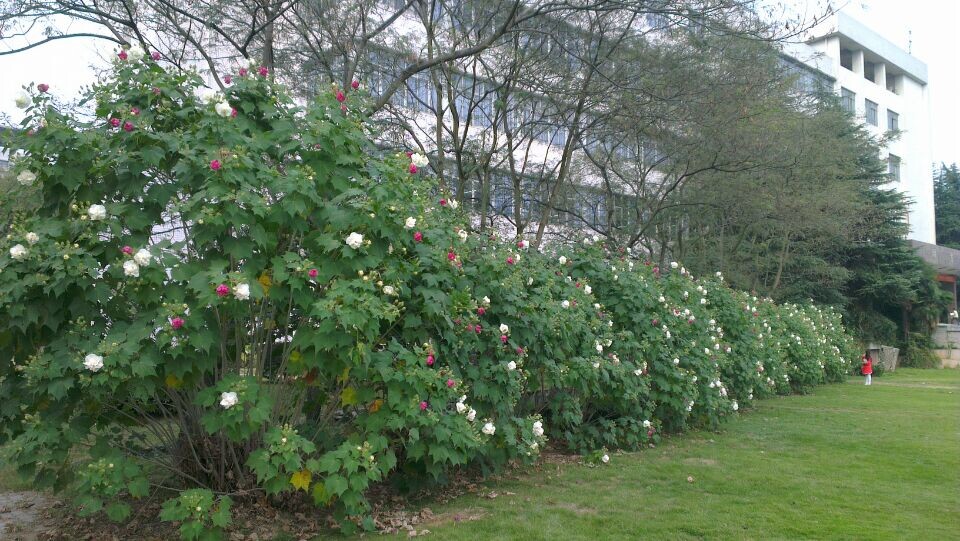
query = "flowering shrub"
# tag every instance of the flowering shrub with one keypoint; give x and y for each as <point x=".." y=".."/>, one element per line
<point x="224" y="295"/>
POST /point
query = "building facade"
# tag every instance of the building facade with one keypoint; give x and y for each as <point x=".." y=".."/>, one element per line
<point x="886" y="88"/>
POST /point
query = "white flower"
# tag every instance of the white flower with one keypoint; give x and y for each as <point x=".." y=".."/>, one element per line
<point x="242" y="292"/>
<point x="605" y="459"/>
<point x="565" y="304"/>
<point x="486" y="301"/>
<point x="462" y="233"/>
<point x="223" y="109"/>
<point x="616" y="277"/>
<point x="662" y="299"/>
<point x="454" y="204"/>
<point x="32" y="238"/>
<point x="93" y="362"/>
<point x="489" y="429"/>
<point x="22" y="101"/>
<point x="208" y="96"/>
<point x="538" y="429"/>
<point x="228" y="400"/>
<point x="504" y="329"/>
<point x="471" y="415"/>
<point x="19" y="252"/>
<point x="419" y="160"/>
<point x="130" y="268"/>
<point x="410" y="223"/>
<point x="638" y="372"/>
<point x="136" y="53"/>
<point x="562" y="260"/>
<point x="587" y="289"/>
<point x="97" y="212"/>
<point x="142" y="257"/>
<point x="511" y="365"/>
<point x="706" y="350"/>
<point x="735" y="406"/>
<point x="27" y="178"/>
<point x="676" y="362"/>
<point x="389" y="290"/>
<point x="599" y="347"/>
<point x="674" y="264"/>
<point x="354" y="240"/>
<point x="461" y="407"/>
<point x="703" y="301"/>
<point x="596" y="305"/>
<point x="646" y="423"/>
<point x="728" y="349"/>
<point x="596" y="365"/>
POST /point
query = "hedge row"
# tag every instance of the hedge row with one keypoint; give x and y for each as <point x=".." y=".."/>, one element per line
<point x="318" y="317"/>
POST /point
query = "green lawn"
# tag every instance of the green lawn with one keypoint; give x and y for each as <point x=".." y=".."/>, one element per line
<point x="847" y="462"/>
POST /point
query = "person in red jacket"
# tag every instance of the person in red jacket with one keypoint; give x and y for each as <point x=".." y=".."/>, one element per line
<point x="867" y="367"/>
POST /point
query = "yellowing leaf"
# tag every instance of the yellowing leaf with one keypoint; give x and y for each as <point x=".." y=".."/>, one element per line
<point x="375" y="405"/>
<point x="348" y="396"/>
<point x="173" y="381"/>
<point x="345" y="375"/>
<point x="266" y="283"/>
<point x="301" y="480"/>
<point x="295" y="356"/>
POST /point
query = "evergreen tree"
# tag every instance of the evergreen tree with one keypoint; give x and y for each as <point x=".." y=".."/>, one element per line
<point x="946" y="196"/>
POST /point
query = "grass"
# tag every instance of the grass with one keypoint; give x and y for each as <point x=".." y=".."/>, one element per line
<point x="847" y="462"/>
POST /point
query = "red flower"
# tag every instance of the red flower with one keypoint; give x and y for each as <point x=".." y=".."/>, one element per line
<point x="430" y="360"/>
<point x="503" y="338"/>
<point x="413" y="169"/>
<point x="510" y="261"/>
<point x="243" y="72"/>
<point x="418" y="236"/>
<point x="176" y="323"/>
<point x="155" y="55"/>
<point x="355" y="84"/>
<point x="43" y="87"/>
<point x="469" y="328"/>
<point x="424" y="405"/>
<point x="343" y="108"/>
<point x="263" y="71"/>
<point x="481" y="311"/>
<point x="443" y="202"/>
<point x="134" y="111"/>
<point x="115" y="122"/>
<point x="122" y="55"/>
<point x="341" y="97"/>
<point x="128" y="126"/>
<point x="227" y="79"/>
<point x="451" y="256"/>
<point x="520" y="244"/>
<point x="312" y="273"/>
<point x="451" y="383"/>
<point x="650" y="433"/>
<point x="478" y="328"/>
<point x="127" y="250"/>
<point x="223" y="290"/>
<point x="519" y="350"/>
<point x="215" y="165"/>
<point x="233" y="111"/>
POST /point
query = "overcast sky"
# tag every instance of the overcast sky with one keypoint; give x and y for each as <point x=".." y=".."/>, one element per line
<point x="929" y="28"/>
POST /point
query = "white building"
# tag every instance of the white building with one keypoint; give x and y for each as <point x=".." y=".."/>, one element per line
<point x="886" y="88"/>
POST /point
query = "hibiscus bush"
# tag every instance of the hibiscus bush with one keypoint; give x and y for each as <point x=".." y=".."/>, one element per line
<point x="225" y="296"/>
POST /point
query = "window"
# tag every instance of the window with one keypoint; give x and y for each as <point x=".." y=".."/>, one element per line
<point x="893" y="121"/>
<point x="869" y="71"/>
<point x="893" y="167"/>
<point x="848" y="100"/>
<point x="892" y="83"/>
<point x="846" y="59"/>
<point x="871" y="112"/>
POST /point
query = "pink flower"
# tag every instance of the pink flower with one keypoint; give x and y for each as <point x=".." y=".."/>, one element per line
<point x="122" y="55"/>
<point x="519" y="350"/>
<point x="176" y="323"/>
<point x="478" y="328"/>
<point x="155" y="55"/>
<point x="263" y="71"/>
<point x="650" y="433"/>
<point x="443" y="202"/>
<point x="481" y="311"/>
<point x="156" y="90"/>
<point x="115" y="122"/>
<point x="134" y="111"/>
<point x="341" y="97"/>
<point x="128" y="126"/>
<point x="655" y="322"/>
<point x="469" y="328"/>
<point x="43" y="87"/>
<point x="520" y="244"/>
<point x="343" y="108"/>
<point x="227" y="79"/>
<point x="510" y="261"/>
<point x="215" y="165"/>
<point x="223" y="290"/>
<point x="451" y="256"/>
<point x="423" y="405"/>
<point x="503" y="338"/>
<point x="312" y="273"/>
<point x="233" y="111"/>
<point x="355" y="84"/>
<point x="430" y="360"/>
<point x="451" y="383"/>
<point x="418" y="236"/>
<point x="128" y="250"/>
<point x="243" y="72"/>
<point x="413" y="169"/>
